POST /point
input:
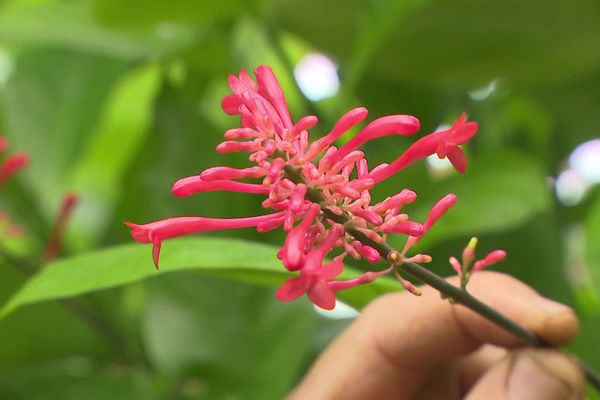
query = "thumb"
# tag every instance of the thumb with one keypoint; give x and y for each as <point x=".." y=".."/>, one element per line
<point x="531" y="374"/>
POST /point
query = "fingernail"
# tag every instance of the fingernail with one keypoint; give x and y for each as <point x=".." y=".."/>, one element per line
<point x="552" y="306"/>
<point x="548" y="376"/>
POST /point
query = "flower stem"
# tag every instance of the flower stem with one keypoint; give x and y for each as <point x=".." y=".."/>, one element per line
<point x="457" y="294"/>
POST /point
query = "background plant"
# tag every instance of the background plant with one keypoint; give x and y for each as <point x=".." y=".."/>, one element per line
<point x="116" y="102"/>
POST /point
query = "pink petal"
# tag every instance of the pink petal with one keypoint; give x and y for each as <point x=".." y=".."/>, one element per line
<point x="457" y="157"/>
<point x="292" y="289"/>
<point x="156" y="253"/>
<point x="332" y="269"/>
<point x="321" y="295"/>
<point x="464" y="133"/>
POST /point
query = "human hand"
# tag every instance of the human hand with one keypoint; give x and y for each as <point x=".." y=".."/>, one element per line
<point x="404" y="347"/>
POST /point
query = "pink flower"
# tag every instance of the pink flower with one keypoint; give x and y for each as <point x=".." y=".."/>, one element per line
<point x="458" y="134"/>
<point x="445" y="143"/>
<point x="157" y="232"/>
<point x="306" y="182"/>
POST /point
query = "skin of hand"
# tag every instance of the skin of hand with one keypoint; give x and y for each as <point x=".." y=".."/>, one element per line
<point x="407" y="347"/>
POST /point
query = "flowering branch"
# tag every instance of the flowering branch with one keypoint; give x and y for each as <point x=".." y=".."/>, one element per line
<point x="321" y="197"/>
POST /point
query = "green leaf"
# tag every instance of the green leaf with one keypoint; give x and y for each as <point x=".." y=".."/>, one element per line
<point x="50" y="104"/>
<point x="98" y="176"/>
<point x="247" y="261"/>
<point x="499" y="192"/>
<point x="261" y="360"/>
<point x="75" y="378"/>
<point x="128" y="13"/>
<point x="72" y="25"/>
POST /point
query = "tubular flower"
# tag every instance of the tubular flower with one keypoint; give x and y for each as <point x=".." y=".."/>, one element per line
<point x="309" y="184"/>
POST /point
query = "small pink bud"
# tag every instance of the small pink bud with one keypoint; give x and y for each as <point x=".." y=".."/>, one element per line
<point x="344" y="124"/>
<point x="398" y="200"/>
<point x="305" y="123"/>
<point x="241" y="133"/>
<point x="420" y="259"/>
<point x="371" y="216"/>
<point x="367" y="252"/>
<point x="233" y="146"/>
<point x="362" y="168"/>
<point x="468" y="254"/>
<point x="492" y="258"/>
<point x="292" y="252"/>
<point x="439" y="209"/>
<point x="410" y="228"/>
<point x="225" y="173"/>
<point x="455" y="265"/>
<point x="194" y="184"/>
<point x="388" y="125"/>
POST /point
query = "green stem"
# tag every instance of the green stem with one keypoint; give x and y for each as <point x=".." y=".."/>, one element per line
<point x="448" y="290"/>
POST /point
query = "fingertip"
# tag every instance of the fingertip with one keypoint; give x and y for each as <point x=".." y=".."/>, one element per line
<point x="532" y="374"/>
<point x="545" y="373"/>
<point x="560" y="325"/>
<point x="555" y="323"/>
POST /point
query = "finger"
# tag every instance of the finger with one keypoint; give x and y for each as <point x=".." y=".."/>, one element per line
<point x="388" y="350"/>
<point x="453" y="379"/>
<point x="531" y="374"/>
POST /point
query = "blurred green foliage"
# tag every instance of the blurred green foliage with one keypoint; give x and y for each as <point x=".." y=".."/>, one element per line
<point x="116" y="99"/>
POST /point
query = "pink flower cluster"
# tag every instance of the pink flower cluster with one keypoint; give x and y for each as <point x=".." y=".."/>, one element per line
<point x="9" y="166"/>
<point x="304" y="181"/>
